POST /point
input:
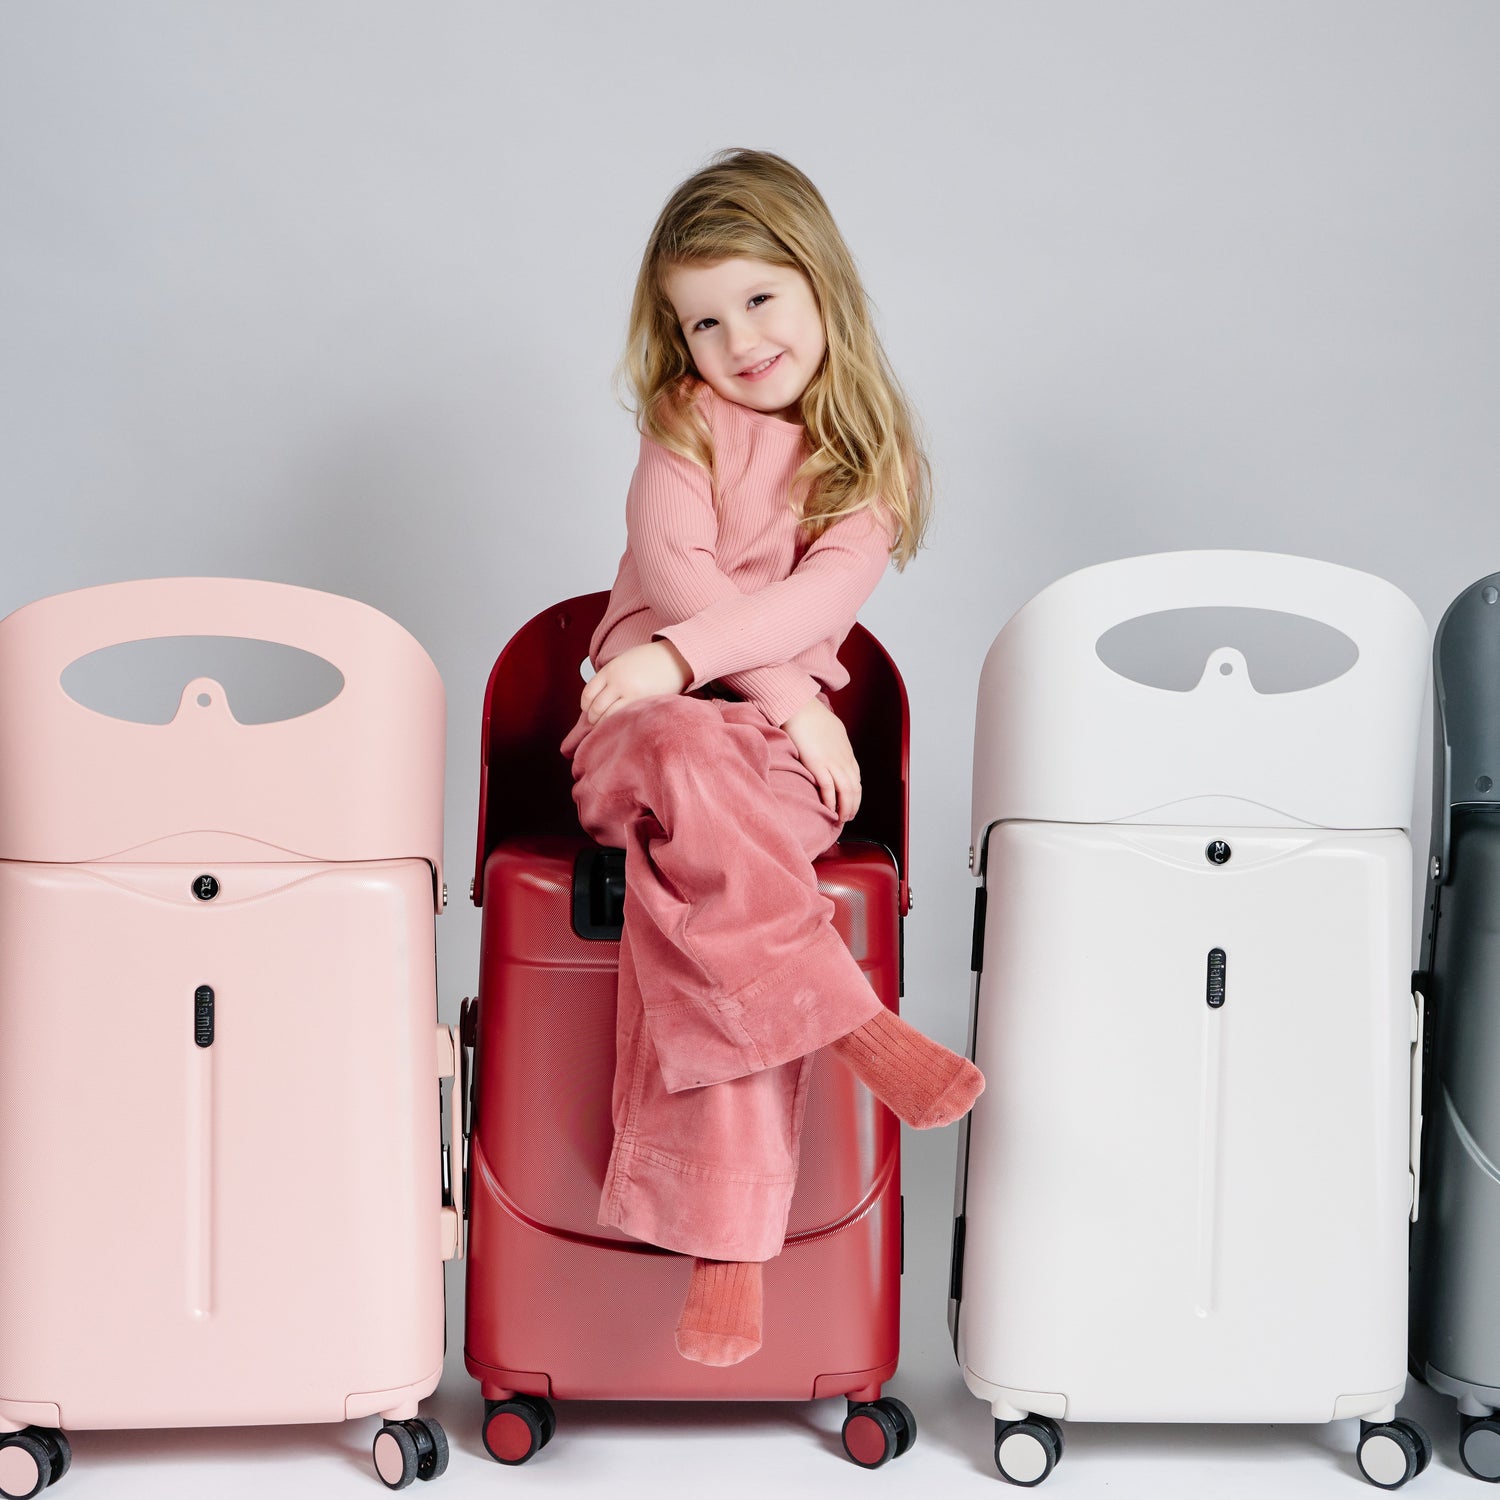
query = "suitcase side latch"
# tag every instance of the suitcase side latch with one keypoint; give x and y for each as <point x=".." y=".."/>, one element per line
<point x="1418" y="1028"/>
<point x="599" y="894"/>
<point x="452" y="1062"/>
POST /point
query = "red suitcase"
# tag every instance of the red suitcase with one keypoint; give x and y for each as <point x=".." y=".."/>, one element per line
<point x="559" y="1306"/>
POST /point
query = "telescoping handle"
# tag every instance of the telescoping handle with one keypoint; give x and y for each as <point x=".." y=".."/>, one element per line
<point x="1063" y="736"/>
<point x="358" y="778"/>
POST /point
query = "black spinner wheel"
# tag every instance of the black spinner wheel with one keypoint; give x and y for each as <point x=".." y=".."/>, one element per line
<point x="1418" y="1435"/>
<point x="432" y="1457"/>
<point x="62" y="1459"/>
<point x="906" y="1423"/>
<point x="549" y="1417"/>
<point x="1055" y="1428"/>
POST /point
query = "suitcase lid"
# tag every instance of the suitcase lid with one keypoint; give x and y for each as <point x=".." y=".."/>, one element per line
<point x="1063" y="735"/>
<point x="1466" y="710"/>
<point x="359" y="778"/>
<point x="531" y="702"/>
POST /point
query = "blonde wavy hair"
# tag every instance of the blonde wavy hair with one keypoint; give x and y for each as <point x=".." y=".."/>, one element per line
<point x="863" y="437"/>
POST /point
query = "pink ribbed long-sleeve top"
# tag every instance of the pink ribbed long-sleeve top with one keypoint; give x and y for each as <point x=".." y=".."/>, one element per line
<point x="736" y="587"/>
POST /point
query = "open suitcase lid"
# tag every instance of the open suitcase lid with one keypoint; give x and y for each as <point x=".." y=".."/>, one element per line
<point x="531" y="702"/>
<point x="1066" y="732"/>
<point x="1466" y="710"/>
<point x="359" y="778"/>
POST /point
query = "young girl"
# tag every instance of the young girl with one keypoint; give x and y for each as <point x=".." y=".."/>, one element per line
<point x="778" y="474"/>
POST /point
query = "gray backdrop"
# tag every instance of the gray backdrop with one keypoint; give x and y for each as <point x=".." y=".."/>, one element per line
<point x="332" y="292"/>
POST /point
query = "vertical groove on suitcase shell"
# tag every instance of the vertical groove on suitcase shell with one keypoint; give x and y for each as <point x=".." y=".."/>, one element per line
<point x="1209" y="1094"/>
<point x="198" y="1199"/>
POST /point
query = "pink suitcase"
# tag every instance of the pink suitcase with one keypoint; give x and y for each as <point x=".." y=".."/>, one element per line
<point x="222" y="1184"/>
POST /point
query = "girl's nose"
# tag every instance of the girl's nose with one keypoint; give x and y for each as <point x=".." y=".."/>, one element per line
<point x="740" y="338"/>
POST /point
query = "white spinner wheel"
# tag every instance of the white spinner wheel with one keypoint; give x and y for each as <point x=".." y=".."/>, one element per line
<point x="1027" y="1452"/>
<point x="1390" y="1453"/>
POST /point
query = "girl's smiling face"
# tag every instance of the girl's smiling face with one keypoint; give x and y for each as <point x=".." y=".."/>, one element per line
<point x="753" y="331"/>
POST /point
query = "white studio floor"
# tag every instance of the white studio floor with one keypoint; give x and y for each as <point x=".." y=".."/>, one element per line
<point x="790" y="1450"/>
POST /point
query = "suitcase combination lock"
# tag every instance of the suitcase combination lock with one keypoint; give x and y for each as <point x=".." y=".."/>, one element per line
<point x="1217" y="972"/>
<point x="203" y="1015"/>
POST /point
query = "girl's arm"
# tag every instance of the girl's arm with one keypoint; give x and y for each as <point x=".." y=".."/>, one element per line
<point x="657" y="669"/>
<point x="817" y="601"/>
<point x="720" y="631"/>
<point x="674" y="533"/>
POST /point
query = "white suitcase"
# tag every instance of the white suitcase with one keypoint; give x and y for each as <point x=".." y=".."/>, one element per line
<point x="1185" y="1193"/>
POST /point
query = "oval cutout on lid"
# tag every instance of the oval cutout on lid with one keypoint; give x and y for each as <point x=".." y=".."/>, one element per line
<point x="1170" y="648"/>
<point x="142" y="682"/>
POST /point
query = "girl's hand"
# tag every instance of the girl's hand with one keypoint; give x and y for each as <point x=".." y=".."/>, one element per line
<point x="822" y="745"/>
<point x="655" y="670"/>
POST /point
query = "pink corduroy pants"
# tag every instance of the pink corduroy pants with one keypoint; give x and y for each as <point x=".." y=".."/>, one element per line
<point x="731" y="974"/>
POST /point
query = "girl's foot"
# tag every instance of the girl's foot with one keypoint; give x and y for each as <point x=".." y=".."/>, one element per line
<point x="919" y="1079"/>
<point x="720" y="1322"/>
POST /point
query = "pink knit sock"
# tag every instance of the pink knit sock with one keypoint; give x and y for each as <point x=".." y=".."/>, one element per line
<point x="921" y="1080"/>
<point x="720" y="1322"/>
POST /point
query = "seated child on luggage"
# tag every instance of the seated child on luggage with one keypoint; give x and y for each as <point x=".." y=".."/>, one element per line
<point x="779" y="473"/>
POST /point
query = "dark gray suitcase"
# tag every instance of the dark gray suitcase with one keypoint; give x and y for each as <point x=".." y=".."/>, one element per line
<point x="1455" y="1291"/>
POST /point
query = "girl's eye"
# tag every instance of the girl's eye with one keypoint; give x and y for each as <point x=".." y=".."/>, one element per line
<point x="704" y="323"/>
<point x="760" y="297"/>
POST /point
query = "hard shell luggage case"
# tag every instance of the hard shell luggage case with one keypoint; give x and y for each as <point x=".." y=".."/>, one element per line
<point x="1184" y="1194"/>
<point x="221" y="1194"/>
<point x="1455" y="1295"/>
<point x="558" y="1306"/>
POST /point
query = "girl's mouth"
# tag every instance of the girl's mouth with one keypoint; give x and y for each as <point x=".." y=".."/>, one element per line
<point x="764" y="368"/>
